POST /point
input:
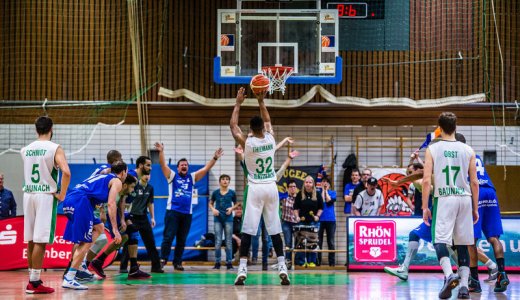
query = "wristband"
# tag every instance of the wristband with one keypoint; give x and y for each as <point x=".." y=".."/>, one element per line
<point x="215" y="158"/>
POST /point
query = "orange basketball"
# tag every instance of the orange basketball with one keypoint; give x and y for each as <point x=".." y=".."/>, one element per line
<point x="224" y="40"/>
<point x="325" y="41"/>
<point x="259" y="83"/>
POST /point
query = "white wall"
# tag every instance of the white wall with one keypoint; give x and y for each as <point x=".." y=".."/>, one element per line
<point x="197" y="144"/>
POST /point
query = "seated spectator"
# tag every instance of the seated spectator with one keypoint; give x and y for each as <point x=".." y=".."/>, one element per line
<point x="370" y="201"/>
<point x="237" y="224"/>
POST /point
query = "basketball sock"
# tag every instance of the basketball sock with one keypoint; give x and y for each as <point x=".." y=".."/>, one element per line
<point x="34" y="275"/>
<point x="102" y="257"/>
<point x="464" y="276"/>
<point x="446" y="266"/>
<point x="501" y="264"/>
<point x="71" y="274"/>
<point x="490" y="264"/>
<point x="410" y="254"/>
<point x="281" y="260"/>
<point x="474" y="272"/>
<point x="243" y="262"/>
<point x="133" y="262"/>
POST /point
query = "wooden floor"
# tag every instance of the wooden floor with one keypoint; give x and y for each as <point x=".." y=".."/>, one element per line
<point x="200" y="282"/>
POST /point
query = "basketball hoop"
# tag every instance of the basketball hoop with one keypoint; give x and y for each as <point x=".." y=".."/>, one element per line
<point x="278" y="75"/>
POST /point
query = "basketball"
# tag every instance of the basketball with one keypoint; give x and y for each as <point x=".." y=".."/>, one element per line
<point x="224" y="40"/>
<point x="259" y="83"/>
<point x="325" y="41"/>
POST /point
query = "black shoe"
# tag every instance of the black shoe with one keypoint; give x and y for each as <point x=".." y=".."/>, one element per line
<point x="217" y="266"/>
<point x="157" y="270"/>
<point x="463" y="293"/>
<point x="229" y="266"/>
<point x="136" y="273"/>
<point x="474" y="286"/>
<point x="264" y="266"/>
<point x="178" y="267"/>
<point x="96" y="266"/>
<point x="449" y="284"/>
<point x="502" y="283"/>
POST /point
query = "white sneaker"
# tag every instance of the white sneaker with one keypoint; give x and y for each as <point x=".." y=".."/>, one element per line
<point x="241" y="275"/>
<point x="274" y="267"/>
<point x="284" y="276"/>
<point x="401" y="272"/>
<point x="73" y="284"/>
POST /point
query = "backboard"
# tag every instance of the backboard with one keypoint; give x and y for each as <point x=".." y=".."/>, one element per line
<point x="304" y="39"/>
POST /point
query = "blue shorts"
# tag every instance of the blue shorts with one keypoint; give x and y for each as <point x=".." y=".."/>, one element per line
<point x="424" y="232"/>
<point x="80" y="216"/>
<point x="489" y="221"/>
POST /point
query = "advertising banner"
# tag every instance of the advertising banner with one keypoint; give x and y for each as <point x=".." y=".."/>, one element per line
<point x="13" y="250"/>
<point x="376" y="242"/>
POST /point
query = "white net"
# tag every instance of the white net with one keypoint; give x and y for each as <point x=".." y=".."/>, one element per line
<point x="277" y="75"/>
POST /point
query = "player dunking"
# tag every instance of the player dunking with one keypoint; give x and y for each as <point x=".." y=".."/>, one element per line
<point x="455" y="200"/>
<point x="261" y="195"/>
<point x="41" y="160"/>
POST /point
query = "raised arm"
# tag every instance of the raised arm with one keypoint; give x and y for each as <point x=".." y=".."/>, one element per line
<point x="162" y="161"/>
<point x="286" y="164"/>
<point x="61" y="162"/>
<point x="264" y="113"/>
<point x="289" y="140"/>
<point x="202" y="172"/>
<point x="233" y="124"/>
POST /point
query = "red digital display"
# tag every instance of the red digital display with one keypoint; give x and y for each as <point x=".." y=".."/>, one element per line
<point x="368" y="9"/>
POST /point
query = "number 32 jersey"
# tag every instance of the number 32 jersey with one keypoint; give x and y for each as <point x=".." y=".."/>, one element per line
<point x="259" y="158"/>
<point x="40" y="173"/>
<point x="451" y="168"/>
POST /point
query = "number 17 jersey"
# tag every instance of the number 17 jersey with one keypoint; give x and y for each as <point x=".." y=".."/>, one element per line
<point x="259" y="159"/>
<point x="451" y="168"/>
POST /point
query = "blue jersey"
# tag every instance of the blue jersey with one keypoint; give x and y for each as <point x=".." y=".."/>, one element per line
<point x="180" y="193"/>
<point x="95" y="188"/>
<point x="482" y="175"/>
<point x="99" y="170"/>
<point x="133" y="173"/>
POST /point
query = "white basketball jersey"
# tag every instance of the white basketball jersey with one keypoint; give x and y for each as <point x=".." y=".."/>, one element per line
<point x="451" y="168"/>
<point x="259" y="158"/>
<point x="40" y="174"/>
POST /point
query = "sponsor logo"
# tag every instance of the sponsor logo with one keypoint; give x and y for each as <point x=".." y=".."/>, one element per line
<point x="8" y="236"/>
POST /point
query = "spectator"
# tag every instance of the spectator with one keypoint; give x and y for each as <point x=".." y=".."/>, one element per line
<point x="308" y="207"/>
<point x="222" y="203"/>
<point x="348" y="191"/>
<point x="177" y="219"/>
<point x="327" y="221"/>
<point x="288" y="217"/>
<point x="370" y="201"/>
<point x="7" y="202"/>
<point x="362" y="185"/>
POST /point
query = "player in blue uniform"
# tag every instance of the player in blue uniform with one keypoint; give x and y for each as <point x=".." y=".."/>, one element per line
<point x="79" y="208"/>
<point x="490" y="223"/>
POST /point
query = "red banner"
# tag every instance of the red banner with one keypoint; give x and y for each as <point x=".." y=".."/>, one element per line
<point x="13" y="250"/>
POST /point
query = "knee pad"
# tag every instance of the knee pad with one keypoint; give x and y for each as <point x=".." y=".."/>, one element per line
<point x="99" y="244"/>
<point x="442" y="250"/>
<point x="463" y="255"/>
<point x="413" y="237"/>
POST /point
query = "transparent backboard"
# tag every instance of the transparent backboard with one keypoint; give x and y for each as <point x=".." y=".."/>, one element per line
<point x="305" y="40"/>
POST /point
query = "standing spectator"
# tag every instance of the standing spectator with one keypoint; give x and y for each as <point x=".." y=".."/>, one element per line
<point x="308" y="207"/>
<point x="327" y="221"/>
<point x="288" y="217"/>
<point x="362" y="185"/>
<point x="177" y="220"/>
<point x="370" y="201"/>
<point x="7" y="202"/>
<point x="222" y="203"/>
<point x="142" y="204"/>
<point x="348" y="191"/>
